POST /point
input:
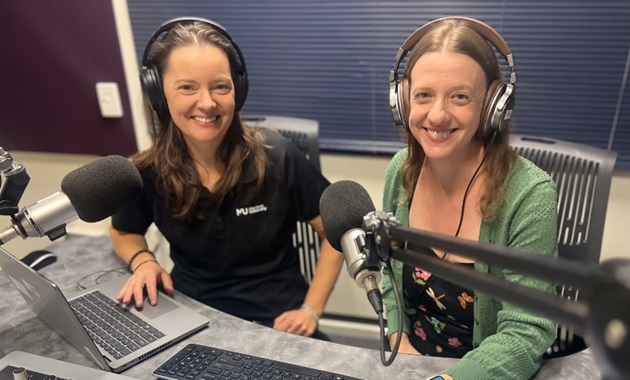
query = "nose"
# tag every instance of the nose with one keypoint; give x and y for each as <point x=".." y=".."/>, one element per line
<point x="438" y="114"/>
<point x="206" y="100"/>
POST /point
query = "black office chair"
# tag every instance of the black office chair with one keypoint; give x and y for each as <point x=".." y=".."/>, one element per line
<point x="583" y="175"/>
<point x="304" y="133"/>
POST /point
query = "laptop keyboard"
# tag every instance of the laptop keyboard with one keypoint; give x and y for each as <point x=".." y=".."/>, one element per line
<point x="12" y="373"/>
<point x="111" y="326"/>
<point x="197" y="361"/>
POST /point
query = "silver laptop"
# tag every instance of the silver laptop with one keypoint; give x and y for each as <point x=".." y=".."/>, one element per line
<point x="18" y="364"/>
<point x="146" y="331"/>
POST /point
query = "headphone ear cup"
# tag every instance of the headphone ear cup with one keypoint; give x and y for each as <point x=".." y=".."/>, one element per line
<point x="241" y="87"/>
<point x="402" y="103"/>
<point x="152" y="87"/>
<point x="491" y="115"/>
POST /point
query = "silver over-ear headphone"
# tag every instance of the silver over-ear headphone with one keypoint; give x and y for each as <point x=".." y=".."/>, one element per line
<point x="500" y="101"/>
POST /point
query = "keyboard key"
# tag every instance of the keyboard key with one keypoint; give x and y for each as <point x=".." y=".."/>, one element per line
<point x="230" y="365"/>
<point x="112" y="327"/>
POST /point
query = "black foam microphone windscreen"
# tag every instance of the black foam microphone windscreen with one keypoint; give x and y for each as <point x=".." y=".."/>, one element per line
<point x="342" y="207"/>
<point x="102" y="187"/>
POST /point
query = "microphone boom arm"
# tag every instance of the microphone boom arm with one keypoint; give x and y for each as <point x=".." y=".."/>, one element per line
<point x="602" y="314"/>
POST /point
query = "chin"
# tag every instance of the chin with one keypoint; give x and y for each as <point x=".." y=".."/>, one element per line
<point x="436" y="153"/>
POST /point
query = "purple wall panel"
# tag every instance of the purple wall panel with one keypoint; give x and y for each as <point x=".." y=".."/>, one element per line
<point x="53" y="53"/>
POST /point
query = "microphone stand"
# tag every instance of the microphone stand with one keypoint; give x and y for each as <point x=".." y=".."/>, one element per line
<point x="16" y="181"/>
<point x="601" y="315"/>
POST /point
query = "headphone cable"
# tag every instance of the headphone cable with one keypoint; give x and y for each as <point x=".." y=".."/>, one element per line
<point x="472" y="179"/>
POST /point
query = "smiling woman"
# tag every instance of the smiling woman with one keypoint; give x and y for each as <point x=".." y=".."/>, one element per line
<point x="225" y="196"/>
<point x="459" y="177"/>
<point x="200" y="101"/>
<point x="447" y="92"/>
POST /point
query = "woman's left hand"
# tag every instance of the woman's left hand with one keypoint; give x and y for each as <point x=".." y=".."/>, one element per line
<point x="298" y="322"/>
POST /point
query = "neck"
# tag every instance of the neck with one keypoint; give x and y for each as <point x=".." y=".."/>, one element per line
<point x="209" y="167"/>
<point x="203" y="153"/>
<point x="452" y="175"/>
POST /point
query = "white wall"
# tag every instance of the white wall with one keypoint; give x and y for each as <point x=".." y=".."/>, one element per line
<point x="615" y="243"/>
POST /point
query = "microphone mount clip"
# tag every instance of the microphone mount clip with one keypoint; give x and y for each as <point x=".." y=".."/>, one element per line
<point x="16" y="181"/>
<point x="377" y="225"/>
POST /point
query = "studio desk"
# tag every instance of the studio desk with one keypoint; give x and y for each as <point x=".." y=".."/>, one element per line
<point x="81" y="256"/>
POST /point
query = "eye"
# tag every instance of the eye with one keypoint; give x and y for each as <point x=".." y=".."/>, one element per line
<point x="461" y="98"/>
<point x="421" y="96"/>
<point x="186" y="88"/>
<point x="222" y="88"/>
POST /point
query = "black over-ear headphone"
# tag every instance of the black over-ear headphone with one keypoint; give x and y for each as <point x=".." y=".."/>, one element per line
<point x="499" y="104"/>
<point x="152" y="82"/>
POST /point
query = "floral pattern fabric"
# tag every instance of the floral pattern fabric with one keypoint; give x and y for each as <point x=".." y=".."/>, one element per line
<point x="442" y="325"/>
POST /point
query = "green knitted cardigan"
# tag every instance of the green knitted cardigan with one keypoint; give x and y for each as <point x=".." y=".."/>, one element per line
<point x="508" y="342"/>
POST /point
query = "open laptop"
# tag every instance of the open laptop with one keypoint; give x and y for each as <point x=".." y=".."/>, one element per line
<point x="29" y="366"/>
<point x="171" y="320"/>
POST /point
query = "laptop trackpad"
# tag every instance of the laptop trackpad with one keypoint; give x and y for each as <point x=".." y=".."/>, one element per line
<point x="163" y="306"/>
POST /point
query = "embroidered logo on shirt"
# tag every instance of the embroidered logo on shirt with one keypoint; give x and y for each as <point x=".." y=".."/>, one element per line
<point x="251" y="210"/>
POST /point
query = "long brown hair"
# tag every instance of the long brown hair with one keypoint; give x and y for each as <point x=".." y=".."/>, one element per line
<point x="177" y="177"/>
<point x="456" y="36"/>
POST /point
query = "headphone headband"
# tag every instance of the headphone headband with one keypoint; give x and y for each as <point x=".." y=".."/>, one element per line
<point x="168" y="25"/>
<point x="150" y="77"/>
<point x="498" y="109"/>
<point x="480" y="27"/>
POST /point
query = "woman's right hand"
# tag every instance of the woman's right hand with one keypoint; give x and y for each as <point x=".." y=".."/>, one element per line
<point x="405" y="345"/>
<point x="146" y="276"/>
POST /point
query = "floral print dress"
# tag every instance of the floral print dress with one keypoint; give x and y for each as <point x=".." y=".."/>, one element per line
<point x="442" y="325"/>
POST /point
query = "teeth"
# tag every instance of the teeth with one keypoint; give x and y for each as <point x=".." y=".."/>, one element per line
<point x="205" y="119"/>
<point x="439" y="134"/>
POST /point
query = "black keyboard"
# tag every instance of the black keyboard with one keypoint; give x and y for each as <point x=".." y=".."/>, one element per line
<point x="202" y="362"/>
<point x="111" y="326"/>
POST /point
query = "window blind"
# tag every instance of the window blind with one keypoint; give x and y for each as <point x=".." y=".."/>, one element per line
<point x="330" y="61"/>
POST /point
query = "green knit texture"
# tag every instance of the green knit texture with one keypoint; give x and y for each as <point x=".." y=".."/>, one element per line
<point x="509" y="342"/>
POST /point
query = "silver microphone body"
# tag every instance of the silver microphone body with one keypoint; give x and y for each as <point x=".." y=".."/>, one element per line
<point x="91" y="193"/>
<point x="46" y="217"/>
<point x="353" y="245"/>
<point x="344" y="206"/>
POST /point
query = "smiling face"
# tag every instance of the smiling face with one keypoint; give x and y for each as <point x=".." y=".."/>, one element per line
<point x="200" y="93"/>
<point x="447" y="94"/>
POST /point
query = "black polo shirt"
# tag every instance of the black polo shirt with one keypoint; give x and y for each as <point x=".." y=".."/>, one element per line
<point x="239" y="259"/>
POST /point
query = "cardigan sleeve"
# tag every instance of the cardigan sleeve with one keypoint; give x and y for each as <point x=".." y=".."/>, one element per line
<point x="514" y="340"/>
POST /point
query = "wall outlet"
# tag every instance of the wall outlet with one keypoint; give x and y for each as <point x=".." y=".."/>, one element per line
<point x="109" y="99"/>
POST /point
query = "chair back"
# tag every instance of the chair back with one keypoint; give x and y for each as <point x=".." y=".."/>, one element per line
<point x="304" y="133"/>
<point x="583" y="175"/>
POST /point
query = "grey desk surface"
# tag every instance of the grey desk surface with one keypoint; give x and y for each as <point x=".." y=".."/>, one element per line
<point x="80" y="256"/>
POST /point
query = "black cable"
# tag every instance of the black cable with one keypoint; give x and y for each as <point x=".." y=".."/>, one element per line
<point x="381" y="321"/>
<point x="99" y="274"/>
<point x="472" y="179"/>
